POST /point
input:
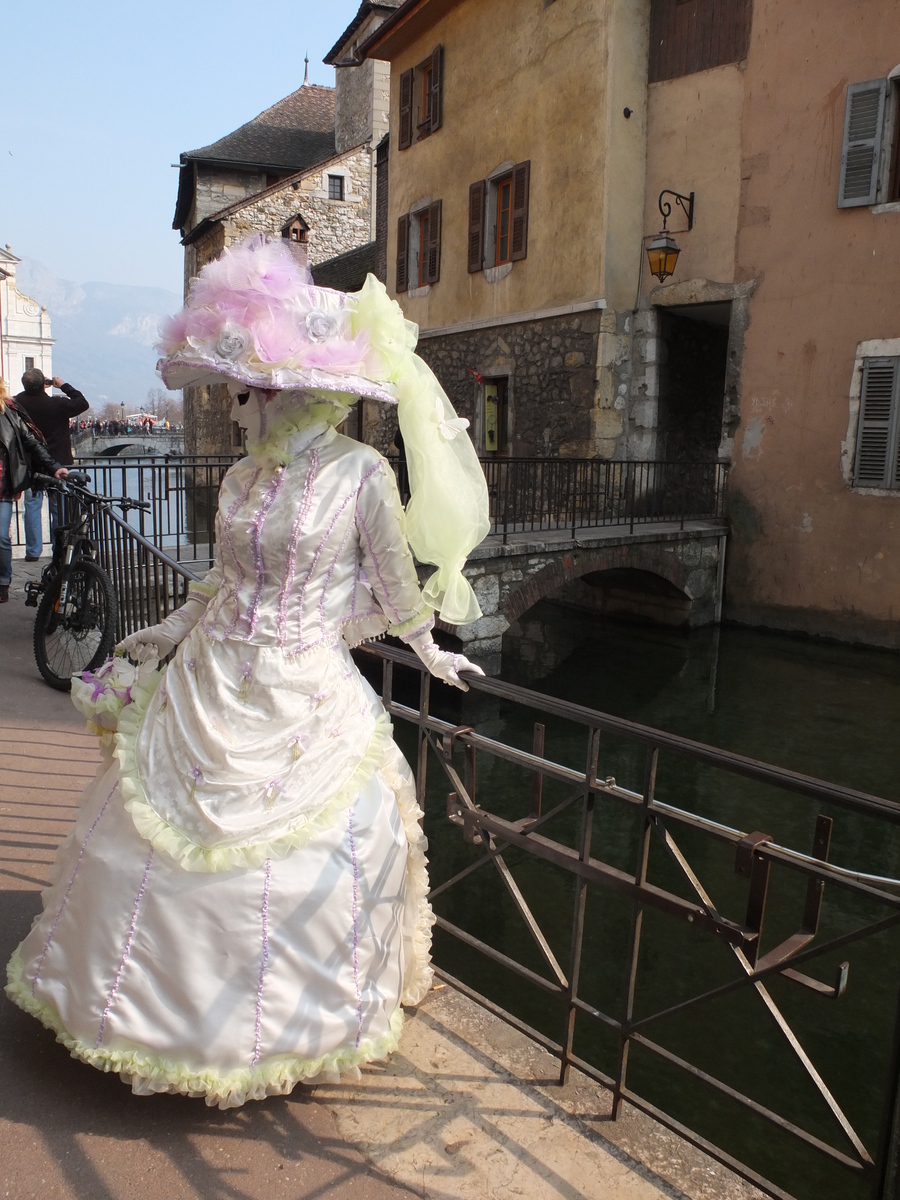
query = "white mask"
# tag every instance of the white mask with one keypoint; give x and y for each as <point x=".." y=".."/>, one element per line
<point x="248" y="413"/>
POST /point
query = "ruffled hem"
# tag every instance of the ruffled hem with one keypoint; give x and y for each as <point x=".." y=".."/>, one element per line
<point x="148" y="1073"/>
<point x="418" y="976"/>
<point x="211" y="859"/>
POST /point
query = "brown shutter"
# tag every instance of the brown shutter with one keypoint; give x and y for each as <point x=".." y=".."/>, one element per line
<point x="403" y="253"/>
<point x="436" y="97"/>
<point x="476" y="226"/>
<point x="406" y="107"/>
<point x="433" y="267"/>
<point x="879" y="424"/>
<point x="521" y="177"/>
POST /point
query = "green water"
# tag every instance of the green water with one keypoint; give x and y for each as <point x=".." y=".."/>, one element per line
<point x="826" y="710"/>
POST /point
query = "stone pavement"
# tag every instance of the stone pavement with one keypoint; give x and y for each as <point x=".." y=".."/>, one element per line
<point x="466" y="1108"/>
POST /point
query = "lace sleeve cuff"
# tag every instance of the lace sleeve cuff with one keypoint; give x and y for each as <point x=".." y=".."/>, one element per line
<point x="421" y="623"/>
<point x="201" y="591"/>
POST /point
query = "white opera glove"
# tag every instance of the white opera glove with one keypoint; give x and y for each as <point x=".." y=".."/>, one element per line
<point x="158" y="641"/>
<point x="440" y="663"/>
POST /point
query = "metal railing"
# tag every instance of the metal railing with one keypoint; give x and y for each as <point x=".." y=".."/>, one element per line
<point x="601" y="858"/>
<point x="526" y="495"/>
<point x="627" y="861"/>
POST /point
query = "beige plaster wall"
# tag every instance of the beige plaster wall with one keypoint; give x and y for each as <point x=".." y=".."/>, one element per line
<point x="694" y="145"/>
<point x="829" y="278"/>
<point x="525" y="81"/>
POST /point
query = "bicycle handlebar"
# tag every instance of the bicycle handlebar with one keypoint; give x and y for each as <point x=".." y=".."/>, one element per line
<point x="80" y="481"/>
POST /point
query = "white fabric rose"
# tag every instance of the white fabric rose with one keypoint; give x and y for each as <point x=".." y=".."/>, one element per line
<point x="321" y="325"/>
<point x="232" y="342"/>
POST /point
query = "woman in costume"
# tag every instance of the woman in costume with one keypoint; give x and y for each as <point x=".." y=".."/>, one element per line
<point x="242" y="903"/>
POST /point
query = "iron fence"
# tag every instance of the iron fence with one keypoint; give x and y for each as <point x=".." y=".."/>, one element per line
<point x="631" y="862"/>
<point x="670" y="848"/>
<point x="526" y="495"/>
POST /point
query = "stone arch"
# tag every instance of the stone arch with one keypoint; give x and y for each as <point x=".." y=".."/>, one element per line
<point x="659" y="559"/>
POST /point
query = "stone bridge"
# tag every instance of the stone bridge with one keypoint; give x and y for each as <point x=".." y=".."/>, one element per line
<point x="661" y="572"/>
<point x="88" y="445"/>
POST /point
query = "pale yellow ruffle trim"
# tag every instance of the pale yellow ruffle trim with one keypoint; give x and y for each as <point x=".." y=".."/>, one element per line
<point x="420" y="623"/>
<point x="149" y="1073"/>
<point x="418" y="975"/>
<point x="211" y="859"/>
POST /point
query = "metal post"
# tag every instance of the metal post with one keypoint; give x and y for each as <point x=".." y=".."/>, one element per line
<point x="637" y="920"/>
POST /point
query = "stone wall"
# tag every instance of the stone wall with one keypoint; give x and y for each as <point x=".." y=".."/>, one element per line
<point x="216" y="188"/>
<point x="335" y="226"/>
<point x="551" y="367"/>
<point x="353" y="92"/>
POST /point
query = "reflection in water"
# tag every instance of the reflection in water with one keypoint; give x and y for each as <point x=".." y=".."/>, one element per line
<point x="826" y="710"/>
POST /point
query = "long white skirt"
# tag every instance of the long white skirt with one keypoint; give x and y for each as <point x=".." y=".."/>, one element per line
<point x="232" y="985"/>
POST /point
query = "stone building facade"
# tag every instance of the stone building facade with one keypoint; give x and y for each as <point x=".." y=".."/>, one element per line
<point x="25" y="339"/>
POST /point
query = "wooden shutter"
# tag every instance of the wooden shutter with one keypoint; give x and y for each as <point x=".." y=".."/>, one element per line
<point x="433" y="266"/>
<point x="861" y="152"/>
<point x="476" y="226"/>
<point x="406" y="109"/>
<point x="520" y="177"/>
<point x="877" y="460"/>
<point x="403" y="253"/>
<point x="436" y="90"/>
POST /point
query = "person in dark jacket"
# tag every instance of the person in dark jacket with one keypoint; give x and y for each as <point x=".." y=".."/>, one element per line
<point x="21" y="455"/>
<point x="51" y="415"/>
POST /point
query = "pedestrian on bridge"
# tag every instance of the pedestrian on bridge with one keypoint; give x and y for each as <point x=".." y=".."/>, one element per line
<point x="22" y="453"/>
<point x="51" y="415"/>
<point x="243" y="904"/>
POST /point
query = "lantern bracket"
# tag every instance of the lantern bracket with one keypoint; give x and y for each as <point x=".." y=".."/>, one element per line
<point x="685" y="203"/>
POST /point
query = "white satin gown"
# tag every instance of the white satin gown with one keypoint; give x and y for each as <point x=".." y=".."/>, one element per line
<point x="241" y="905"/>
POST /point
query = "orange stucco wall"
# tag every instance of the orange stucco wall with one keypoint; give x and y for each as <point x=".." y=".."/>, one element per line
<point x="828" y="279"/>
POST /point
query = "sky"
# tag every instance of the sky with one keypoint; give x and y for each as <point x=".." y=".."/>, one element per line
<point x="99" y="98"/>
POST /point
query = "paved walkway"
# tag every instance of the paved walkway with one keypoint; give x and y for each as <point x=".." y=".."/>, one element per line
<point x="465" y="1110"/>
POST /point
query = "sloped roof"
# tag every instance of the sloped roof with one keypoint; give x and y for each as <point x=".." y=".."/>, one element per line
<point x="367" y="7"/>
<point x="292" y="135"/>
<point x="295" y="132"/>
<point x="346" y="272"/>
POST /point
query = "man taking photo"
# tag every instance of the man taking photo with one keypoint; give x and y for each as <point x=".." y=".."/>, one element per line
<point x="50" y="414"/>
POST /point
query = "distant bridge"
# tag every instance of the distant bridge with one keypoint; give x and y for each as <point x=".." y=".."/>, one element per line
<point x="88" y="444"/>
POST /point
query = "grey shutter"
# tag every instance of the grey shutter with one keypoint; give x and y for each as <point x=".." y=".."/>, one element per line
<point x="877" y="460"/>
<point x="520" y="183"/>
<point x="436" y="97"/>
<point x="476" y="226"/>
<point x="861" y="152"/>
<point x="406" y="106"/>
<point x="403" y="253"/>
<point x="433" y="249"/>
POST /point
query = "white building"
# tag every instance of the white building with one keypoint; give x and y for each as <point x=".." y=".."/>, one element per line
<point x="25" y="339"/>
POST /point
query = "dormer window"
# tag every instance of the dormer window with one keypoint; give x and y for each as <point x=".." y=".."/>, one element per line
<point x="296" y="230"/>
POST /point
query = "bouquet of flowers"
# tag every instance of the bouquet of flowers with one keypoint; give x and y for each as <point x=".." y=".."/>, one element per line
<point x="101" y="695"/>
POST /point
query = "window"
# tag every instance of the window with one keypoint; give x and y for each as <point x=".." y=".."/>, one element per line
<point x="335" y="187"/>
<point x="878" y="439"/>
<point x="419" y="247"/>
<point x="870" y="154"/>
<point x="422" y="99"/>
<point x="693" y="35"/>
<point x="29" y="364"/>
<point x="498" y="218"/>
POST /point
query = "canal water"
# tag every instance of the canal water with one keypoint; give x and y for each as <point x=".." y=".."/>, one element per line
<point x="831" y="711"/>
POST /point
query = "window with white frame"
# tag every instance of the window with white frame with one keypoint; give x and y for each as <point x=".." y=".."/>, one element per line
<point x="877" y="462"/>
<point x="870" y="153"/>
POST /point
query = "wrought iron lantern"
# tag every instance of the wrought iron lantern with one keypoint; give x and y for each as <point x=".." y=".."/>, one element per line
<point x="663" y="250"/>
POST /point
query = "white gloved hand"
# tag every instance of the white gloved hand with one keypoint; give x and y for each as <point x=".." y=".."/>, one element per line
<point x="158" y="641"/>
<point x="441" y="664"/>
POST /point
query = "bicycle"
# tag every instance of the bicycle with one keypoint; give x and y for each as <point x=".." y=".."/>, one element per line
<point x="75" y="624"/>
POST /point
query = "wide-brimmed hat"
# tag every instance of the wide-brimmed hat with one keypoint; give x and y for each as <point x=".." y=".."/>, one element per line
<point x="254" y="315"/>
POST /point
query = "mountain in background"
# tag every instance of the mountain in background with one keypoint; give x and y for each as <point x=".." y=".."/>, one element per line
<point x="104" y="333"/>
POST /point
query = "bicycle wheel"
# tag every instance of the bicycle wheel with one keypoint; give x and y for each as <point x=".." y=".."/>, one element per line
<point x="80" y="634"/>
